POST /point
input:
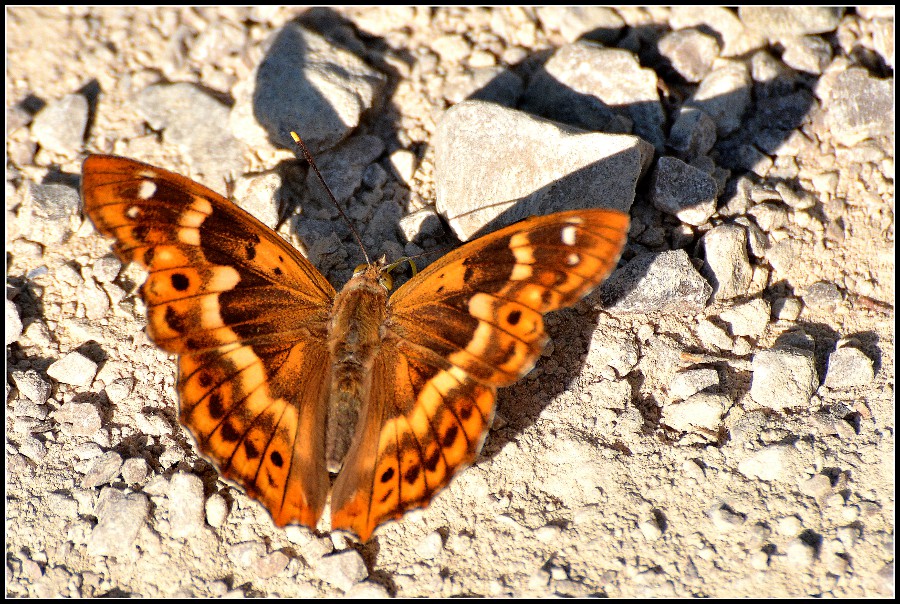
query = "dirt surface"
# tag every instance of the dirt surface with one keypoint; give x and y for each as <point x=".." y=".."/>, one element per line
<point x="566" y="498"/>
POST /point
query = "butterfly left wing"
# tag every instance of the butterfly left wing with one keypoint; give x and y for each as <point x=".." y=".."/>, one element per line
<point x="248" y="316"/>
<point x="469" y="323"/>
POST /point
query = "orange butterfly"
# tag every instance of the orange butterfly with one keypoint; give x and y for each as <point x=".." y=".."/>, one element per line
<point x="283" y="380"/>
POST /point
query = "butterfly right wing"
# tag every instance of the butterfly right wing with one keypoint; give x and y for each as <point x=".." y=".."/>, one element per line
<point x="470" y="322"/>
<point x="248" y="317"/>
<point x="423" y="422"/>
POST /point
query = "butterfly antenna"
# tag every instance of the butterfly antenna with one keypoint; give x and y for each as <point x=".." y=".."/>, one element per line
<point x="309" y="158"/>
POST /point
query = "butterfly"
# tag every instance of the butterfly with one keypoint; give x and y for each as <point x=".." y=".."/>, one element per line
<point x="284" y="381"/>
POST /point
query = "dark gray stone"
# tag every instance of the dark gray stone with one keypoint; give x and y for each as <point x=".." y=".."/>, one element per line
<point x="665" y="282"/>
<point x="683" y="191"/>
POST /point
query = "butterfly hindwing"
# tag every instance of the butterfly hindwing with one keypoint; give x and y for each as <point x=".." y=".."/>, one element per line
<point x="246" y="312"/>
<point x="424" y="421"/>
<point x="470" y="322"/>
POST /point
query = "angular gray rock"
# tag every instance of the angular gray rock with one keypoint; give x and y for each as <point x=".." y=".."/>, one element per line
<point x="690" y="51"/>
<point x="60" y="126"/>
<point x="849" y="367"/>
<point x="777" y="22"/>
<point x="666" y="282"/>
<point x="193" y="119"/>
<point x="783" y="377"/>
<point x="587" y="85"/>
<point x="857" y="106"/>
<point x="727" y="262"/>
<point x="495" y="166"/>
<point x="682" y="190"/>
<point x="304" y="84"/>
<point x="724" y="95"/>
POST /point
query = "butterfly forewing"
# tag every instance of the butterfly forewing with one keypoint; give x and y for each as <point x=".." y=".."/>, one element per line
<point x="248" y="315"/>
<point x="491" y="294"/>
<point x="470" y="322"/>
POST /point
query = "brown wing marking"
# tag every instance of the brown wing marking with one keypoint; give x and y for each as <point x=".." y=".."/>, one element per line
<point x="470" y="322"/>
<point x="149" y="211"/>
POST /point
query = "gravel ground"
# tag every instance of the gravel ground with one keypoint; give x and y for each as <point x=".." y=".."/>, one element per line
<point x="718" y="420"/>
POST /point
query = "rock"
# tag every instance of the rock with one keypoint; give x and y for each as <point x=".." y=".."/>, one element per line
<point x="701" y="411"/>
<point x="74" y="368"/>
<point x="258" y="195"/>
<point x="31" y="385"/>
<point x="778" y="22"/>
<point x="421" y="224"/>
<point x="587" y="85"/>
<point x="120" y="518"/>
<point x="79" y="419"/>
<point x="135" y="470"/>
<point x="783" y="378"/>
<point x="573" y="22"/>
<point x="666" y="282"/>
<point x="304" y="84"/>
<point x="811" y="54"/>
<point x="494" y="84"/>
<point x="727" y="262"/>
<point x="496" y="166"/>
<point x="690" y="51"/>
<point x="103" y="470"/>
<point x="773" y="463"/>
<point x="216" y="510"/>
<point x="736" y="38"/>
<point x="192" y="119"/>
<point x="59" y="127"/>
<point x="342" y="570"/>
<point x="693" y="134"/>
<point x="847" y="368"/>
<point x="186" y="504"/>
<point x="50" y="213"/>
<point x="688" y="383"/>
<point x="856" y="106"/>
<point x="13" y="322"/>
<point x="724" y="95"/>
<point x="823" y="296"/>
<point x="430" y="547"/>
<point x="712" y="335"/>
<point x="748" y="319"/>
<point x="683" y="191"/>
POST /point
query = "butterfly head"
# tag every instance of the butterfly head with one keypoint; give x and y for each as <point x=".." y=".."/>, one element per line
<point x="380" y="271"/>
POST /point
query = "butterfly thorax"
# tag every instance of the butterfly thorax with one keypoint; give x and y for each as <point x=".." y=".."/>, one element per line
<point x="354" y="340"/>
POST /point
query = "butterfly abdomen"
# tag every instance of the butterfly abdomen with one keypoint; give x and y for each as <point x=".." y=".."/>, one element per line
<point x="354" y="339"/>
